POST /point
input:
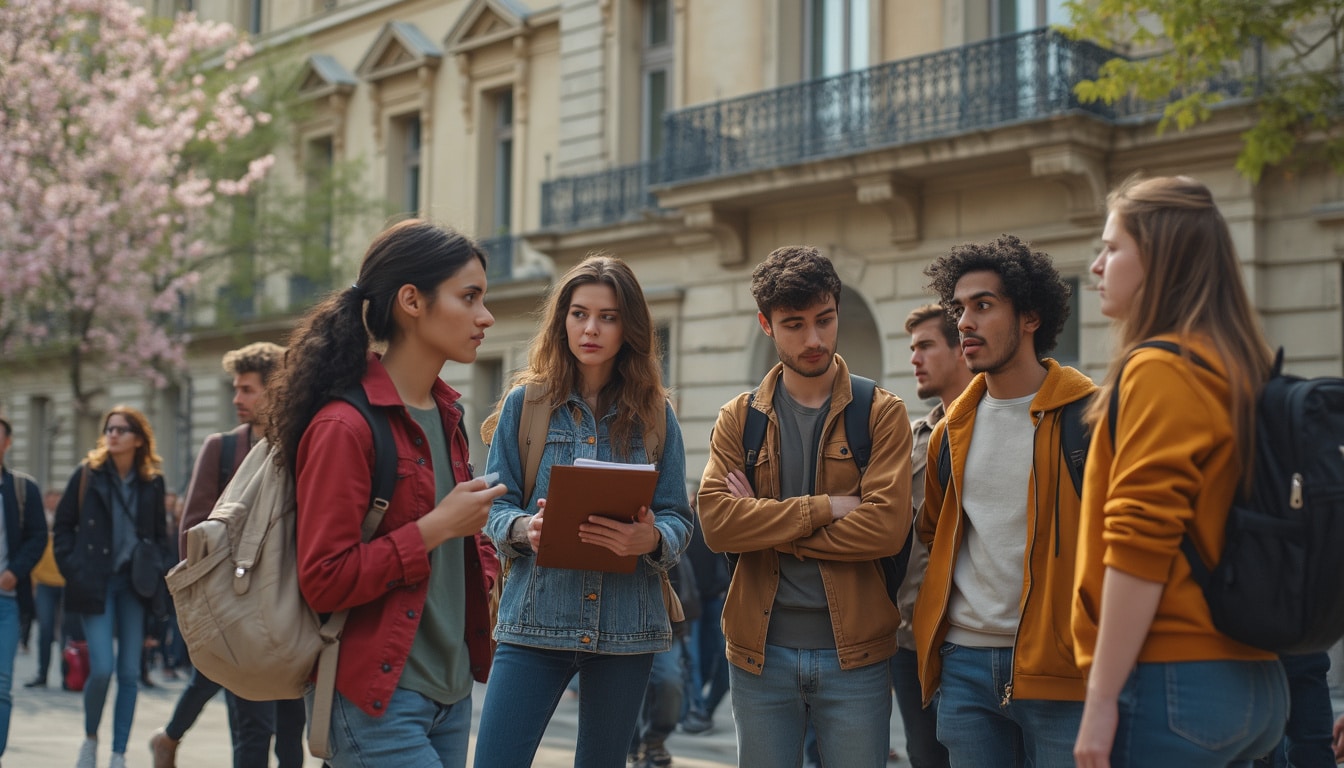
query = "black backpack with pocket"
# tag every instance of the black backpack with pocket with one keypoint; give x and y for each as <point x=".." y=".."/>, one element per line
<point x="1279" y="584"/>
<point x="857" y="414"/>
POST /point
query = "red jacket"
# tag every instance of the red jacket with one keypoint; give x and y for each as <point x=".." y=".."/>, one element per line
<point x="383" y="582"/>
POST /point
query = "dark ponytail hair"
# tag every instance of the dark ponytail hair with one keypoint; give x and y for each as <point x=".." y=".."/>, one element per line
<point x="328" y="349"/>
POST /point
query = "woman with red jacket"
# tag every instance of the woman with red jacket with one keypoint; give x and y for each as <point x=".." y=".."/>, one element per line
<point x="418" y="630"/>
<point x="1164" y="686"/>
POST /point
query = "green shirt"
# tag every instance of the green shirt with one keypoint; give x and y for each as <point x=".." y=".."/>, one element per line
<point x="439" y="667"/>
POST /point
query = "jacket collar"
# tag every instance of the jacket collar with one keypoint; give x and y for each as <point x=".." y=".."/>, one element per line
<point x="1062" y="386"/>
<point x="841" y="393"/>
<point x="381" y="391"/>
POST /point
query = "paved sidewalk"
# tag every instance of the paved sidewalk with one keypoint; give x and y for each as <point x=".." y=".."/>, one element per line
<point x="48" y="724"/>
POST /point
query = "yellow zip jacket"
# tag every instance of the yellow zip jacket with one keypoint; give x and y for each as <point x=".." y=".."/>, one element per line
<point x="1174" y="470"/>
<point x="765" y="528"/>
<point x="1043" y="663"/>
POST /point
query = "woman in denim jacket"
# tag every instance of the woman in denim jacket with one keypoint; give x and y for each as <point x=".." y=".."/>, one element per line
<point x="596" y="357"/>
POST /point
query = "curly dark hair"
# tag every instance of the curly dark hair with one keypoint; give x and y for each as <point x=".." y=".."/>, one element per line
<point x="261" y="358"/>
<point x="1030" y="282"/>
<point x="793" y="277"/>
<point x="328" y="348"/>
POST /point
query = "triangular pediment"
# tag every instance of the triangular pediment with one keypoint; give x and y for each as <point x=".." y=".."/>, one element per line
<point x="399" y="47"/>
<point x="322" y="75"/>
<point x="485" y="22"/>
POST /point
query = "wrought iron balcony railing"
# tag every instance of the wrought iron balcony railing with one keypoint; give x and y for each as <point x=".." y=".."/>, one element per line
<point x="596" y="199"/>
<point x="499" y="253"/>
<point x="1015" y="78"/>
<point x="998" y="82"/>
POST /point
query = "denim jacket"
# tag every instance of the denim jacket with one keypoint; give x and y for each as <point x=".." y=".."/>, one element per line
<point x="563" y="609"/>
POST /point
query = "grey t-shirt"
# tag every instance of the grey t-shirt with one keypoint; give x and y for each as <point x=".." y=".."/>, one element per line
<point x="438" y="666"/>
<point x="801" y="616"/>
<point x="125" y="507"/>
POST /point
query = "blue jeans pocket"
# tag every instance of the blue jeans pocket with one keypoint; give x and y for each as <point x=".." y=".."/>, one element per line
<point x="1197" y="710"/>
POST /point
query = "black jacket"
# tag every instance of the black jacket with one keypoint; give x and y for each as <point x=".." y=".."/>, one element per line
<point x="82" y="536"/>
<point x="25" y="532"/>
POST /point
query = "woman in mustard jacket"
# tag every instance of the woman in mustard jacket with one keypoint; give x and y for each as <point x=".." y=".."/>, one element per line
<point x="1164" y="687"/>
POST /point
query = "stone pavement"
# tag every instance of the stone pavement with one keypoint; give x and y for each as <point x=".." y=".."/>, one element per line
<point x="47" y="728"/>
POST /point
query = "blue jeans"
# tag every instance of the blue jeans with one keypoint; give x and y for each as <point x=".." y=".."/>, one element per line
<point x="413" y="731"/>
<point x="47" y="604"/>
<point x="1306" y="740"/>
<point x="921" y="724"/>
<point x="665" y="696"/>
<point x="707" y="679"/>
<point x="1197" y="713"/>
<point x="9" y="645"/>
<point x="123" y="618"/>
<point x="979" y="732"/>
<point x="850" y="710"/>
<point x="525" y="686"/>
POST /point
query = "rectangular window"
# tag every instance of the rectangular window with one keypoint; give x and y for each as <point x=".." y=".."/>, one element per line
<point x="656" y="60"/>
<point x="664" y="333"/>
<point x="836" y="36"/>
<point x="254" y="16"/>
<point x="503" y="216"/>
<point x="319" y="164"/>
<point x="403" y="154"/>
<point x="411" y="162"/>
<point x="1068" y="349"/>
<point x="655" y="106"/>
<point x="487" y="385"/>
<point x="40" y="438"/>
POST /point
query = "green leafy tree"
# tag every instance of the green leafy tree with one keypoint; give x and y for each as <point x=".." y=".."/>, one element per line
<point x="1282" y="55"/>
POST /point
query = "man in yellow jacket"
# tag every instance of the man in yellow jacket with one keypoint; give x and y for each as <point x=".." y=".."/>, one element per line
<point x="807" y="620"/>
<point x="992" y="618"/>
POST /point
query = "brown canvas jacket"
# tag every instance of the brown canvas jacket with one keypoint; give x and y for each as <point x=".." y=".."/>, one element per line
<point x="765" y="528"/>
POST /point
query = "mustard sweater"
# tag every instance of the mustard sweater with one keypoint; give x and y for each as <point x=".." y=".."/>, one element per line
<point x="1174" y="469"/>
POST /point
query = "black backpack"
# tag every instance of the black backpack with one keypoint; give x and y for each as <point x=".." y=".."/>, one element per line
<point x="1279" y="584"/>
<point x="857" y="415"/>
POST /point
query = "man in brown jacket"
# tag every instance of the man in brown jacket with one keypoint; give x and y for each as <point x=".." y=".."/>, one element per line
<point x="807" y="620"/>
<point x="252" y="723"/>
<point x="992" y="617"/>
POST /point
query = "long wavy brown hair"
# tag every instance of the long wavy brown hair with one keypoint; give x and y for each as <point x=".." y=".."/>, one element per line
<point x="636" y="385"/>
<point x="148" y="463"/>
<point x="328" y="349"/>
<point x="1191" y="285"/>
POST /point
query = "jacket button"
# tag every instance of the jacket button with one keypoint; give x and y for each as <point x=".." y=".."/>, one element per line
<point x="420" y="461"/>
<point x="410" y="614"/>
<point x="592" y="595"/>
<point x="591" y="439"/>
<point x="418" y="441"/>
<point x="377" y="704"/>
<point x="585" y="639"/>
<point x="844" y="451"/>
<point x="387" y="667"/>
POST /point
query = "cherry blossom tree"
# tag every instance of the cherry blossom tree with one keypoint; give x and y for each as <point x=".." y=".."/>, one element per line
<point x="112" y="130"/>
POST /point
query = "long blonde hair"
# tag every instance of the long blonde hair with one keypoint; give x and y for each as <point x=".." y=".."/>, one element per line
<point x="636" y="385"/>
<point x="147" y="460"/>
<point x="1191" y="285"/>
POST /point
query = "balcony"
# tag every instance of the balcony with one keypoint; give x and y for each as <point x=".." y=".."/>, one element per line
<point x="1016" y="78"/>
<point x="598" y="199"/>
<point x="991" y="84"/>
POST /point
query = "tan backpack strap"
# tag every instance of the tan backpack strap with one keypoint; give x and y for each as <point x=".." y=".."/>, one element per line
<point x="324" y="692"/>
<point x="533" y="424"/>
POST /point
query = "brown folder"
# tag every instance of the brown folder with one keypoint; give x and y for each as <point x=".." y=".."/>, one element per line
<point x="574" y="494"/>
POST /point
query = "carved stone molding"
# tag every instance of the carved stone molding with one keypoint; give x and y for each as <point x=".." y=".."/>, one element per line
<point x="727" y="228"/>
<point x="1082" y="174"/>
<point x="899" y="200"/>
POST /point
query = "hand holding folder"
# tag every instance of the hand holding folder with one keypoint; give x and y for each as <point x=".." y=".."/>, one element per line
<point x="577" y="492"/>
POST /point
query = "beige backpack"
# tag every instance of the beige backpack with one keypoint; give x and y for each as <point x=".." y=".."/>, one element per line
<point x="244" y="620"/>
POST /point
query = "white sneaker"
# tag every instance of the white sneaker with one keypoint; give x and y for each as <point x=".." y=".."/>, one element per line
<point x="88" y="754"/>
<point x="118" y="760"/>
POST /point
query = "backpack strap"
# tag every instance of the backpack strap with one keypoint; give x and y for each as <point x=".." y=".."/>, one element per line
<point x="384" y="482"/>
<point x="533" y="423"/>
<point x="753" y="437"/>
<point x="228" y="450"/>
<point x="857" y="417"/>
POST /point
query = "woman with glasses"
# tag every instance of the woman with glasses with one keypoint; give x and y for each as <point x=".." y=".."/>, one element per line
<point x="113" y="502"/>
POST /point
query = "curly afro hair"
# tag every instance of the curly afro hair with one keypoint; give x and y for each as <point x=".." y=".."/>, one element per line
<point x="793" y="277"/>
<point x="1030" y="282"/>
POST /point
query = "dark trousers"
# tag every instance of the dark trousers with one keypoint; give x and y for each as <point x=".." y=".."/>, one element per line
<point x="1306" y="738"/>
<point x="252" y="724"/>
<point x="921" y="725"/>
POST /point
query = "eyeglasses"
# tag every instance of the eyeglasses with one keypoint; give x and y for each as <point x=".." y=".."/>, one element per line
<point x="117" y="429"/>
